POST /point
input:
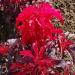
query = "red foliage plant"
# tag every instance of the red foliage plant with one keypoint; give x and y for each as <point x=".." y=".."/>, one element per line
<point x="34" y="24"/>
<point x="39" y="65"/>
<point x="35" y="27"/>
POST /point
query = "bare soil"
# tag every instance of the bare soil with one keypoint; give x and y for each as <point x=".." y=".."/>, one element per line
<point x="67" y="8"/>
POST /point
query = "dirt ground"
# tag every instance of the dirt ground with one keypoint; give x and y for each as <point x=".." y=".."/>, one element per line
<point x="67" y="7"/>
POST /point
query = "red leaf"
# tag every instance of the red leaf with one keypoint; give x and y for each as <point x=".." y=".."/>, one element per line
<point x="16" y="65"/>
<point x="47" y="62"/>
<point x="41" y="52"/>
<point x="35" y="47"/>
<point x="3" y="50"/>
<point x="26" y="53"/>
<point x="66" y="71"/>
<point x="74" y="73"/>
